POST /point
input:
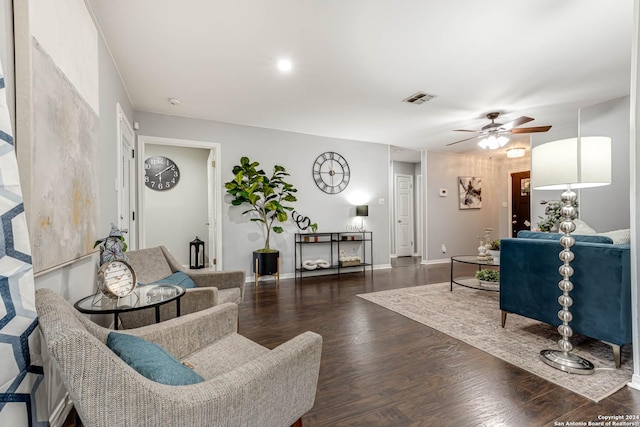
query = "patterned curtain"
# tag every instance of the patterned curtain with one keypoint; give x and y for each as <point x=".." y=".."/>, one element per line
<point x="23" y="399"/>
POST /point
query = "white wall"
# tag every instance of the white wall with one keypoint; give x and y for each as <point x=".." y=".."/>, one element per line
<point x="174" y="218"/>
<point x="458" y="229"/>
<point x="369" y="165"/>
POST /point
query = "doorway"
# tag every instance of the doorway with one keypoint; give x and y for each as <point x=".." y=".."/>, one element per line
<point x="403" y="209"/>
<point x="520" y="202"/>
<point x="191" y="208"/>
<point x="126" y="179"/>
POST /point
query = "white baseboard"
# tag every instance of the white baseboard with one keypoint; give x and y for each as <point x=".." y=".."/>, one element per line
<point x="60" y="413"/>
<point x="635" y="382"/>
<point x="436" y="261"/>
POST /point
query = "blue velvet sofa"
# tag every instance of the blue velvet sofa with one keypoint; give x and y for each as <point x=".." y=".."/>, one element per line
<point x="602" y="284"/>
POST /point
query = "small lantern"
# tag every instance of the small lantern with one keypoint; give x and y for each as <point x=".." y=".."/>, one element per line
<point x="196" y="254"/>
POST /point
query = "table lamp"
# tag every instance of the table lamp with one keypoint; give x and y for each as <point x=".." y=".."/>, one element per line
<point x="362" y="211"/>
<point x="568" y="164"/>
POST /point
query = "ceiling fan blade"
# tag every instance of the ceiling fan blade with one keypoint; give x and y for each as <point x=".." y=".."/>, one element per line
<point x="531" y="130"/>
<point x="517" y="122"/>
<point x="465" y="130"/>
<point x="462" y="140"/>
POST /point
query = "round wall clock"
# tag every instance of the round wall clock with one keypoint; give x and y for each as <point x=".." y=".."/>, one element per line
<point x="331" y="172"/>
<point x="116" y="279"/>
<point x="161" y="173"/>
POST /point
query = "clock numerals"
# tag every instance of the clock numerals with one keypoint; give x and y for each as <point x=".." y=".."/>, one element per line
<point x="161" y="173"/>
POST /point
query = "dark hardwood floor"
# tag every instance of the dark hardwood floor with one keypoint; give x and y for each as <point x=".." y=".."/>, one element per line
<point x="381" y="369"/>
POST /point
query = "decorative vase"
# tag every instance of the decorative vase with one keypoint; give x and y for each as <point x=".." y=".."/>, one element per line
<point x="495" y="255"/>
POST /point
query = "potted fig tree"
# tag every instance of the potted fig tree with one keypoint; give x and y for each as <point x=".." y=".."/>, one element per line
<point x="268" y="199"/>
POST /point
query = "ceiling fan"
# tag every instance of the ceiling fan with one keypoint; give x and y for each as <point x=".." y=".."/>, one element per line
<point x="494" y="133"/>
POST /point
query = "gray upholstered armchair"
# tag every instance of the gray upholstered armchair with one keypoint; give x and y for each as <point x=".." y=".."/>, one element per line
<point x="212" y="287"/>
<point x="244" y="384"/>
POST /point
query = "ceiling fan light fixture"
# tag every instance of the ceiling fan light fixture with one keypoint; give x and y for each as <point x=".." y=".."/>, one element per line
<point x="492" y="142"/>
<point x="513" y="153"/>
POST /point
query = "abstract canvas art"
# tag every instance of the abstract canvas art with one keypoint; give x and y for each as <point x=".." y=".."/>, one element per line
<point x="470" y="191"/>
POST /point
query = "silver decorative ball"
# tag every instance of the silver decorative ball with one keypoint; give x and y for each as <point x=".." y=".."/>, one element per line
<point x="567" y="241"/>
<point x="565" y="300"/>
<point x="565" y="285"/>
<point x="565" y="270"/>
<point x="565" y="345"/>
<point x="569" y="196"/>
<point x="567" y="226"/>
<point x="565" y="316"/>
<point x="566" y="256"/>
<point x="565" y="330"/>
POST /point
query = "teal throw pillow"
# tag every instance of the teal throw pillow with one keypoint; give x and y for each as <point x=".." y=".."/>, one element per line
<point x="178" y="278"/>
<point x="151" y="360"/>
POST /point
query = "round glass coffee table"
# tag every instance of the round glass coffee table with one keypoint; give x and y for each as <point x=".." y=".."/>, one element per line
<point x="142" y="297"/>
<point x="471" y="281"/>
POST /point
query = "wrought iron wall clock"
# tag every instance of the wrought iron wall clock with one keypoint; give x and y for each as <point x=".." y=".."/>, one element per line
<point x="331" y="172"/>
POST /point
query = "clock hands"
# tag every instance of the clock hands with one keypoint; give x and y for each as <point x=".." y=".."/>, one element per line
<point x="159" y="174"/>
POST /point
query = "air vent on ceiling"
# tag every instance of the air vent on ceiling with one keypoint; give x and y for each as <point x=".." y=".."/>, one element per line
<point x="419" y="98"/>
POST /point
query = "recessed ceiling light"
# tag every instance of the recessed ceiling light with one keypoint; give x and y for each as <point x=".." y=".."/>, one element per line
<point x="513" y="153"/>
<point x="285" y="65"/>
<point x="174" y="101"/>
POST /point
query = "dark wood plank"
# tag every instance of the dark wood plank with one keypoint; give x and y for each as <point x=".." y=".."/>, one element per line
<point x="382" y="369"/>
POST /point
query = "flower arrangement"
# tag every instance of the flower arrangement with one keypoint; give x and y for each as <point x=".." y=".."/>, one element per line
<point x="487" y="275"/>
<point x="494" y="245"/>
<point x="553" y="211"/>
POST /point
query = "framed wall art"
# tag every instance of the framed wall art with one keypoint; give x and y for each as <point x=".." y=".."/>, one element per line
<point x="470" y="192"/>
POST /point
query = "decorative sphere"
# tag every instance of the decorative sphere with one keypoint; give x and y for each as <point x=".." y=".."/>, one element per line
<point x="567" y="241"/>
<point x="565" y="330"/>
<point x="569" y="196"/>
<point x="565" y="270"/>
<point x="566" y="256"/>
<point x="567" y="226"/>
<point x="565" y="316"/>
<point x="565" y="345"/>
<point x="565" y="285"/>
<point x="568" y="211"/>
<point x="565" y="300"/>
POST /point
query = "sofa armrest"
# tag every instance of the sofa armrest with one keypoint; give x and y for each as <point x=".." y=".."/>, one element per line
<point x="273" y="390"/>
<point x="218" y="279"/>
<point x="186" y="334"/>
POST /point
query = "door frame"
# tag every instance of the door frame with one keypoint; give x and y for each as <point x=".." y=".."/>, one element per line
<point x="123" y="129"/>
<point x="213" y="190"/>
<point x="510" y="202"/>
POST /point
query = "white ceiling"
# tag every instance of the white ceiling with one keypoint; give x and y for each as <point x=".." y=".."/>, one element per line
<point x="354" y="61"/>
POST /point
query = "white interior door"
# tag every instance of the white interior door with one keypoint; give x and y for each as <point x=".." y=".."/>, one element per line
<point x="404" y="214"/>
<point x="126" y="180"/>
<point x="211" y="215"/>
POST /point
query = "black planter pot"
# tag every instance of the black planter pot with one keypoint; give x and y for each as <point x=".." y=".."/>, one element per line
<point x="267" y="262"/>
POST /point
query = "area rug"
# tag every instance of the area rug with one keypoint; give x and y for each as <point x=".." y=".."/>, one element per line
<point x="473" y="316"/>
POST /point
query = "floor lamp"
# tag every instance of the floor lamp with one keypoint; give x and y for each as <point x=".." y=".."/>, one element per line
<point x="569" y="164"/>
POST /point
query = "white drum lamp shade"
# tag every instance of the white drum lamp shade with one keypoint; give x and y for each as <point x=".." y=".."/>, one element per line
<point x="577" y="162"/>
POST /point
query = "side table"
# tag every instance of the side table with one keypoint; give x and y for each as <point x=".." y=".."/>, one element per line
<point x="472" y="282"/>
<point x="143" y="297"/>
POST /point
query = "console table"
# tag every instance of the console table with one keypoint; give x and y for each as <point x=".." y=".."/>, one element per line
<point x="331" y="244"/>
